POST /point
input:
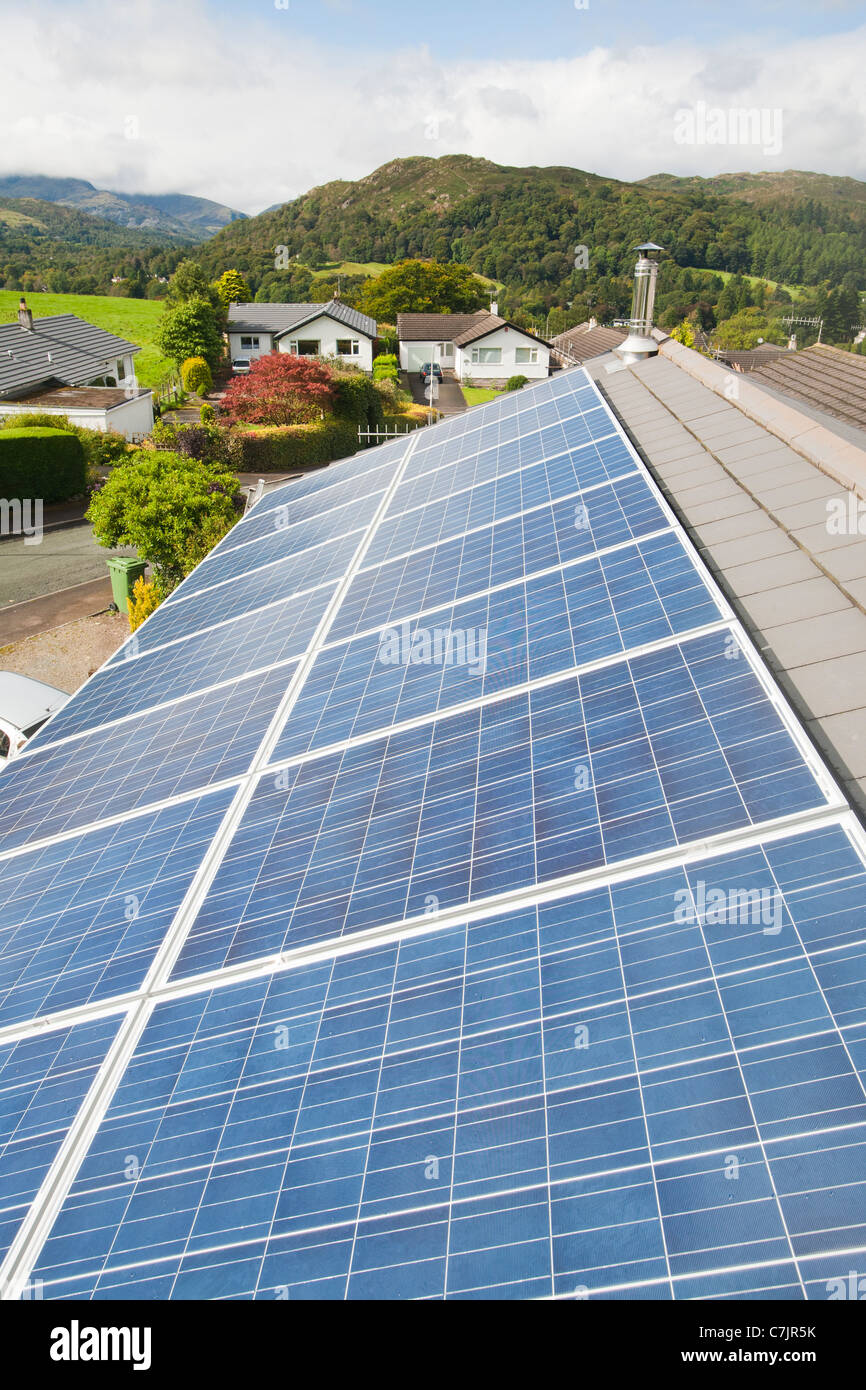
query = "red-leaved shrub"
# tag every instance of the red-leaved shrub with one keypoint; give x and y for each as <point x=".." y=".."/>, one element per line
<point x="279" y="390"/>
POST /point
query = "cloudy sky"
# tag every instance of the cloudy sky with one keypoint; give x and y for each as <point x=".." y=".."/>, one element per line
<point x="252" y="102"/>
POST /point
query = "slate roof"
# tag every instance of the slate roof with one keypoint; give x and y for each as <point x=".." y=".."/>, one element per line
<point x="280" y="319"/>
<point x="754" y="481"/>
<point x="582" y="343"/>
<point x="60" y="348"/>
<point x="825" y="377"/>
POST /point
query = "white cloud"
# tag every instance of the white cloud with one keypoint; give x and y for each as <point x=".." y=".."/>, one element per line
<point x="247" y="112"/>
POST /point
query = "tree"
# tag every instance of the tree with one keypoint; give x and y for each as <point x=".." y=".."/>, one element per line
<point x="280" y="389"/>
<point x="172" y="510"/>
<point x="423" y="287"/>
<point x="190" y="329"/>
<point x="189" y="282"/>
<point x="232" y="288"/>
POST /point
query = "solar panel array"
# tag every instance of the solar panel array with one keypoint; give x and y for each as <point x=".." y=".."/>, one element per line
<point x="435" y="898"/>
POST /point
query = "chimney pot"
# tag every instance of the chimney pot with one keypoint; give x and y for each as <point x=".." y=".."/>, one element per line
<point x="25" y="315"/>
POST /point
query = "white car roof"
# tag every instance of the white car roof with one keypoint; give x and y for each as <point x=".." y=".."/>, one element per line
<point x="23" y="701"/>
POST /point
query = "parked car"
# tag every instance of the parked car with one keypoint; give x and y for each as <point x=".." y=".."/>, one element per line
<point x="25" y="705"/>
<point x="427" y="369"/>
<point x="240" y="366"/>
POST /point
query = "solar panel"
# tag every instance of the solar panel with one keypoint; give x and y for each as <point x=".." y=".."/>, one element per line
<point x="497" y="931"/>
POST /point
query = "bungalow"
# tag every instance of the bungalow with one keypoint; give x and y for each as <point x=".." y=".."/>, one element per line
<point x="62" y="365"/>
<point x="307" y="330"/>
<point x="480" y="347"/>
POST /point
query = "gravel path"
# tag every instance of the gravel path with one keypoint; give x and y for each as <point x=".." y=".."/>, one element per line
<point x="66" y="656"/>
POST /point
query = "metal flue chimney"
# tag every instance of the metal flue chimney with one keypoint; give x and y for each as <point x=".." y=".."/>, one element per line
<point x="640" y="343"/>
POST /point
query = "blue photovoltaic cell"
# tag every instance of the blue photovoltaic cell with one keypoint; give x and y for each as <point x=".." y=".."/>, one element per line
<point x="43" y="1081"/>
<point x="545" y="1101"/>
<point x="195" y="663"/>
<point x="548" y="536"/>
<point x="542" y="1103"/>
<point x="336" y="521"/>
<point x="484" y="503"/>
<point x="163" y="753"/>
<point x="278" y="571"/>
<point x="243" y="597"/>
<point x="339" y="483"/>
<point x="82" y="919"/>
<point x="280" y="543"/>
<point x="566" y="618"/>
<point x="665" y="749"/>
<point x="571" y="437"/>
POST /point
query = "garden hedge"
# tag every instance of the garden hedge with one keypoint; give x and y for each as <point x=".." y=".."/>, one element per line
<point x="38" y="462"/>
<point x="290" y="448"/>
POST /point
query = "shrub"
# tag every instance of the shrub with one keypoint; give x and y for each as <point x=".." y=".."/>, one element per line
<point x="40" y="462"/>
<point x="36" y="420"/>
<point x="516" y="383"/>
<point x="280" y="389"/>
<point x="207" y="414"/>
<point x="171" y="509"/>
<point x="357" y="400"/>
<point x="146" y="598"/>
<point x="196" y="375"/>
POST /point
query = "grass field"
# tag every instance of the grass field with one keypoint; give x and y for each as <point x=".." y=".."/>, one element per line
<point x="478" y="395"/>
<point x="795" y="291"/>
<point x="349" y="268"/>
<point x="133" y="319"/>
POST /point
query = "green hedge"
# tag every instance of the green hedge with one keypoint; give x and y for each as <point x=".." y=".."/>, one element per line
<point x="44" y="463"/>
<point x="290" y="448"/>
<point x="358" y="401"/>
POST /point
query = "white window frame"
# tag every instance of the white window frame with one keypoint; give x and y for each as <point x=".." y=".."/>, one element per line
<point x="492" y="357"/>
<point x="444" y="350"/>
<point x="529" y="358"/>
<point x="249" y="342"/>
<point x="354" y="347"/>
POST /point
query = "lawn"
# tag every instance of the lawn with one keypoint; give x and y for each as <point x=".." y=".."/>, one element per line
<point x="478" y="395"/>
<point x="349" y="268"/>
<point x="133" y="319"/>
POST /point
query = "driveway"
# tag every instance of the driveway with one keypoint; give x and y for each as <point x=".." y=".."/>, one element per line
<point x="450" y="400"/>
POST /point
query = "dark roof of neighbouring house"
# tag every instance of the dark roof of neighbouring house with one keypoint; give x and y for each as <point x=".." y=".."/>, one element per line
<point x="280" y="319"/>
<point x="81" y="397"/>
<point x="61" y="348"/>
<point x="482" y="328"/>
<point x="749" y="359"/>
<point x="425" y="328"/>
<point x="825" y="377"/>
<point x="586" y="341"/>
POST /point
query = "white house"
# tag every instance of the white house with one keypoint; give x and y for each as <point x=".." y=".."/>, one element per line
<point x="62" y="365"/>
<point x="480" y="347"/>
<point x="307" y="330"/>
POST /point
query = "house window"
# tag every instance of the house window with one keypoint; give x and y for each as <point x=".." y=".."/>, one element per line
<point x="249" y="344"/>
<point x="305" y="347"/>
<point x="444" y="349"/>
<point x="348" y="347"/>
<point x="121" y="369"/>
<point x="525" y="356"/>
<point x="487" y="354"/>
